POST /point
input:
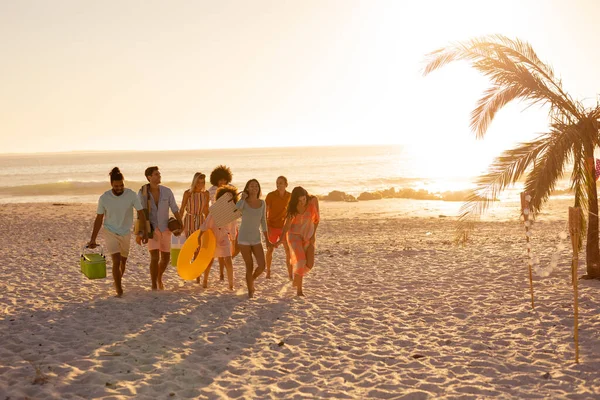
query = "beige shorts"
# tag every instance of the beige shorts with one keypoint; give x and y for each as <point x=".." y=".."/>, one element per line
<point x="117" y="243"/>
<point x="160" y="241"/>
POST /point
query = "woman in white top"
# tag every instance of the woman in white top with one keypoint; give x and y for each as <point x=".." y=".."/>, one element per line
<point x="253" y="219"/>
<point x="219" y="177"/>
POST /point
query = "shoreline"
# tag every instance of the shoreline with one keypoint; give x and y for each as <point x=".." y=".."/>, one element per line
<point x="555" y="209"/>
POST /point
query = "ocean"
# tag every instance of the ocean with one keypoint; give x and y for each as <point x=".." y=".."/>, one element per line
<point x="82" y="176"/>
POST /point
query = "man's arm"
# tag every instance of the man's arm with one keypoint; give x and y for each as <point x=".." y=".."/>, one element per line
<point x="175" y="209"/>
<point x="97" y="225"/>
<point x="142" y="218"/>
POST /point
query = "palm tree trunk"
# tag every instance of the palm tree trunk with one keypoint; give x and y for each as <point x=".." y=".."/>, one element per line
<point x="592" y="251"/>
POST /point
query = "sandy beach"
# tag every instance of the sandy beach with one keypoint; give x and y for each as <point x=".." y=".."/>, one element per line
<point x="392" y="310"/>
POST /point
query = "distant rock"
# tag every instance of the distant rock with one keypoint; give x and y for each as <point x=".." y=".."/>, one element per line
<point x="336" y="195"/>
<point x="370" y="196"/>
<point x="388" y="193"/>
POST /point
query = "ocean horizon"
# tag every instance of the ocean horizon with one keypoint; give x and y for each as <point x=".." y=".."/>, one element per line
<point x="83" y="176"/>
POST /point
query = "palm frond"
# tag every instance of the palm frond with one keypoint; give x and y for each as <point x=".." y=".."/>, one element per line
<point x="515" y="71"/>
<point x="493" y="100"/>
<point x="550" y="166"/>
<point x="506" y="169"/>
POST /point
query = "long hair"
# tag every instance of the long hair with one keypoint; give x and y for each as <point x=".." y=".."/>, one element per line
<point x="115" y="175"/>
<point x="221" y="172"/>
<point x="292" y="208"/>
<point x="248" y="184"/>
<point x="228" y="189"/>
<point x="197" y="177"/>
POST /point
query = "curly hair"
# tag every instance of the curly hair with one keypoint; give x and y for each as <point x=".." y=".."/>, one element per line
<point x="227" y="189"/>
<point x="221" y="172"/>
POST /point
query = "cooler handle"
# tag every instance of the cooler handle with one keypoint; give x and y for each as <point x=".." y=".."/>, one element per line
<point x="86" y="247"/>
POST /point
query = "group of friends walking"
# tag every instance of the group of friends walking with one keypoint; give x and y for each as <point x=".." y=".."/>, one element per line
<point x="282" y="218"/>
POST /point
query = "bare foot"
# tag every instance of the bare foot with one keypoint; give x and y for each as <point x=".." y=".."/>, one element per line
<point x="119" y="294"/>
<point x="299" y="293"/>
<point x="161" y="286"/>
<point x="198" y="280"/>
<point x="204" y="285"/>
<point x="221" y="277"/>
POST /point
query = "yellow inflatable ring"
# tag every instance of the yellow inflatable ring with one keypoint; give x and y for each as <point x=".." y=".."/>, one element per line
<point x="189" y="270"/>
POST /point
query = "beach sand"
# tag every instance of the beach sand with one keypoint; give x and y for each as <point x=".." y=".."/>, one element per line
<point x="392" y="310"/>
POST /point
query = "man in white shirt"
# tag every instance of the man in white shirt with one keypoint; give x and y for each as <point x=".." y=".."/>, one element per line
<point x="115" y="214"/>
<point x="160" y="200"/>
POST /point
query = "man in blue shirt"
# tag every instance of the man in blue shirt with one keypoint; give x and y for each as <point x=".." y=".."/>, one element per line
<point x="115" y="210"/>
<point x="158" y="200"/>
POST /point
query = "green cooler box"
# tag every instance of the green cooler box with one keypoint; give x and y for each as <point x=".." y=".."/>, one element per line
<point x="93" y="265"/>
<point x="176" y="243"/>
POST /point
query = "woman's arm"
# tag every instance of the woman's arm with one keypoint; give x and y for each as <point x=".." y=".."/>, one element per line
<point x="184" y="200"/>
<point x="286" y="228"/>
<point x="205" y="203"/>
<point x="316" y="219"/>
<point x="240" y="204"/>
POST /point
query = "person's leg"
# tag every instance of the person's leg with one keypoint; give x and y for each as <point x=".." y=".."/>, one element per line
<point x="116" y="272"/>
<point x="229" y="267"/>
<point x="122" y="266"/>
<point x="154" y="256"/>
<point x="221" y="268"/>
<point x="124" y="245"/>
<point x="269" y="259"/>
<point x="299" y="285"/>
<point x="294" y="243"/>
<point x="165" y="257"/>
<point x="288" y="261"/>
<point x="247" y="256"/>
<point x="206" y="271"/>
<point x="259" y="254"/>
<point x="309" y="256"/>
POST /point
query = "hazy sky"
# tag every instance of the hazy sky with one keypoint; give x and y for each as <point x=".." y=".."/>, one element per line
<point x="85" y="75"/>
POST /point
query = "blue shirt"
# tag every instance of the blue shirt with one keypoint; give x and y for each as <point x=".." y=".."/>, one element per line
<point x="252" y="220"/>
<point x="159" y="216"/>
<point x="118" y="210"/>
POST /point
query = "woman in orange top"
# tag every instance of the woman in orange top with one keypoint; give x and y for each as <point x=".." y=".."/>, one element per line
<point x="277" y="202"/>
<point x="300" y="226"/>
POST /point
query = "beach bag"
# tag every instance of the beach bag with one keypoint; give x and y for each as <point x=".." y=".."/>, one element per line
<point x="149" y="228"/>
<point x="224" y="210"/>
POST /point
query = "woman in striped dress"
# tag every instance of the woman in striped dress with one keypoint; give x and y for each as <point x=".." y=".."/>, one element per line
<point x="195" y="204"/>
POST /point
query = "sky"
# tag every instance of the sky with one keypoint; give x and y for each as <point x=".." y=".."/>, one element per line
<point x="161" y="75"/>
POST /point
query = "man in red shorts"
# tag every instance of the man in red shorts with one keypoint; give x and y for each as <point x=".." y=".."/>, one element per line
<point x="277" y="202"/>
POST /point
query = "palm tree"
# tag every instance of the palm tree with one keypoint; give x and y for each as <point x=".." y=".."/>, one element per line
<point x="516" y="73"/>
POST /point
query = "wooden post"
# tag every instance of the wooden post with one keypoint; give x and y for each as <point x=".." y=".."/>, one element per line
<point x="574" y="224"/>
<point x="525" y="211"/>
